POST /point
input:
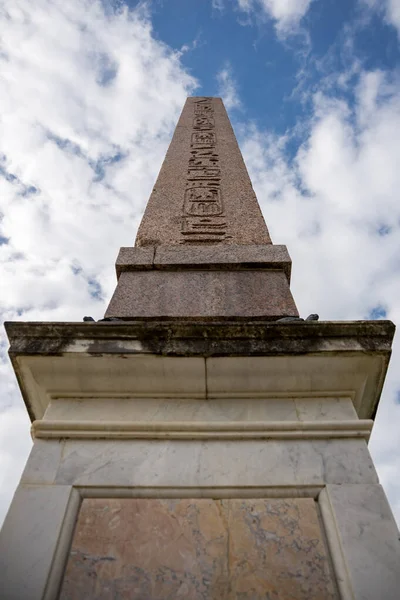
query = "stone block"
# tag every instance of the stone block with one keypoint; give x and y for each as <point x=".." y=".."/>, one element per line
<point x="202" y="295"/>
<point x="223" y="257"/>
<point x="184" y="410"/>
<point x="134" y="258"/>
<point x="230" y="463"/>
<point x="176" y="409"/>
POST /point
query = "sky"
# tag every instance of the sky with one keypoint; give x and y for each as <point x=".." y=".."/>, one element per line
<point x="90" y="93"/>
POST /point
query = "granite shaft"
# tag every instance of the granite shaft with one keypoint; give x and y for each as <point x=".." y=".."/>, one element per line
<point x="203" y="194"/>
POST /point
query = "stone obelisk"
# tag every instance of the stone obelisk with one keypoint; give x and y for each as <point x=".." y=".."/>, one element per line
<point x="193" y="444"/>
<point x="203" y="250"/>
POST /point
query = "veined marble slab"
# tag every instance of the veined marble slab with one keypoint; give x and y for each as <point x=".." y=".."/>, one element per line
<point x="198" y="549"/>
<point x="200" y="463"/>
<point x="197" y="409"/>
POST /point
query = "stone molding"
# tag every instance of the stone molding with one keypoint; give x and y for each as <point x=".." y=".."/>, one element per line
<point x="202" y="430"/>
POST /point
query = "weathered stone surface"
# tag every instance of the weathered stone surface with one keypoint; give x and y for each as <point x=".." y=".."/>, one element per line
<point x="198" y="549"/>
<point x="202" y="295"/>
<point x="203" y="162"/>
<point x="197" y="338"/>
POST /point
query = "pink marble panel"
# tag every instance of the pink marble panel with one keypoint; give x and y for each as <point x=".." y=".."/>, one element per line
<point x="198" y="549"/>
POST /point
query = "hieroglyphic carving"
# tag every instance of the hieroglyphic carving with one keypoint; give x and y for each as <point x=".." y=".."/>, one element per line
<point x="203" y="139"/>
<point x="203" y="212"/>
<point x="205" y="157"/>
<point x="203" y="122"/>
<point x="203" y="200"/>
<point x="203" y="107"/>
<point x="203" y="173"/>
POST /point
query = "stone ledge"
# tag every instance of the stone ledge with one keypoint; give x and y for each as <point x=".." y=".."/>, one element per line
<point x="232" y="257"/>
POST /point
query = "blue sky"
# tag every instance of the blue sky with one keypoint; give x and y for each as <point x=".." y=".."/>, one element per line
<point x="90" y="92"/>
<point x="274" y="75"/>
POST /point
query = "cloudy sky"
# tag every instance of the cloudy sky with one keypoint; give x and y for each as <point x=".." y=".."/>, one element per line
<point x="90" y="92"/>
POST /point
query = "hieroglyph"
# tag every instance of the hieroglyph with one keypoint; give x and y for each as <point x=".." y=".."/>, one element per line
<point x="203" y="210"/>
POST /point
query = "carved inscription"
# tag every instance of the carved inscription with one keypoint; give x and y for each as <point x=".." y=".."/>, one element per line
<point x="203" y="139"/>
<point x="203" y="212"/>
<point x="203" y="122"/>
<point x="203" y="200"/>
<point x="203" y="107"/>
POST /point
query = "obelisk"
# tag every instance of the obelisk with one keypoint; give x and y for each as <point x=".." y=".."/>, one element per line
<point x="202" y="441"/>
<point x="203" y="250"/>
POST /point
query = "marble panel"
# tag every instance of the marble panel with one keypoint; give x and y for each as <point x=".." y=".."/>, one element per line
<point x="181" y="463"/>
<point x="173" y="409"/>
<point x="198" y="549"/>
<point x="140" y="374"/>
<point x="329" y="409"/>
<point x="28" y="540"/>
<point x="43" y="462"/>
<point x="313" y="374"/>
<point x="369" y="538"/>
<point x="197" y="409"/>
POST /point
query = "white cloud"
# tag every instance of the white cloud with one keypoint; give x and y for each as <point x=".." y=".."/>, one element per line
<point x="336" y="207"/>
<point x="218" y="5"/>
<point x="393" y="13"/>
<point x="227" y="87"/>
<point x="287" y="14"/>
<point x="88" y="103"/>
<point x="390" y="9"/>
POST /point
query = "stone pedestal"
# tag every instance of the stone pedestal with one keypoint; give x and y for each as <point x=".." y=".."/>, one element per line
<point x="200" y="460"/>
<point x="223" y="282"/>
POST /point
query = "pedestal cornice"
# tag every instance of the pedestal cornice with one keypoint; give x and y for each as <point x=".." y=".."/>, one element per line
<point x="195" y="359"/>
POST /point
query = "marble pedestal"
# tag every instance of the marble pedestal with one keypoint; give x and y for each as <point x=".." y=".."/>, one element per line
<point x="200" y="460"/>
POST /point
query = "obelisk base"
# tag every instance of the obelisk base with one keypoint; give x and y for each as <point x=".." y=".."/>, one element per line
<point x="197" y="460"/>
<point x="224" y="282"/>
